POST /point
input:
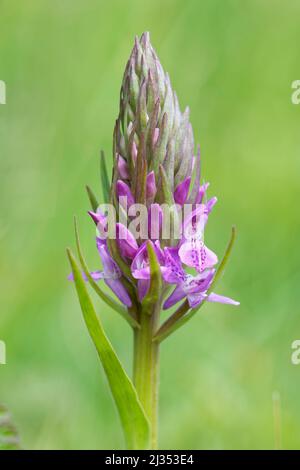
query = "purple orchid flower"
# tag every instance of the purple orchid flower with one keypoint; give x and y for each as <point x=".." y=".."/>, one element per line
<point x="140" y="267"/>
<point x="194" y="288"/>
<point x="192" y="250"/>
<point x="111" y="274"/>
<point x="123" y="191"/>
<point x="181" y="191"/>
<point x="126" y="242"/>
<point x="123" y="168"/>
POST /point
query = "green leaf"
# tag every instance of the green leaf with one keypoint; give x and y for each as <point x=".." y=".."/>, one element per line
<point x="9" y="439"/>
<point x="154" y="293"/>
<point x="93" y="200"/>
<point x="134" y="422"/>
<point x="104" y="177"/>
<point x="106" y="298"/>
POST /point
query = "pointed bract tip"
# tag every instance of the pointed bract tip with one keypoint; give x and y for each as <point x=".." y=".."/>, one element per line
<point x="69" y="253"/>
<point x="145" y="38"/>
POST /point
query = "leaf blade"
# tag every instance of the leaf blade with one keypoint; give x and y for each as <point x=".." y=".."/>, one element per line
<point x="134" y="422"/>
<point x="92" y="198"/>
<point x="104" y="177"/>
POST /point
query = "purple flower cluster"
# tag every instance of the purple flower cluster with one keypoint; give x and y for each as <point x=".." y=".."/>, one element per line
<point x="174" y="261"/>
<point x="154" y="166"/>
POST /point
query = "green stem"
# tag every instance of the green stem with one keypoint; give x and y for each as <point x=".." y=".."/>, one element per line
<point x="146" y="369"/>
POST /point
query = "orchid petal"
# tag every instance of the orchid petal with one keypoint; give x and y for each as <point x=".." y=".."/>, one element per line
<point x="123" y="191"/>
<point x="195" y="254"/>
<point x="126" y="241"/>
<point x="194" y="223"/>
<point x="143" y="273"/>
<point x="96" y="275"/>
<point x="173" y="272"/>
<point x="210" y="204"/>
<point x="199" y="283"/>
<point x="201" y="193"/>
<point x="150" y="185"/>
<point x="110" y="268"/>
<point x="98" y="218"/>
<point x="119" y="290"/>
<point x="139" y="260"/>
<point x="181" y="191"/>
<point x="176" y="295"/>
<point x="143" y="287"/>
<point x="221" y="299"/>
<point x="123" y="168"/>
<point x="195" y="299"/>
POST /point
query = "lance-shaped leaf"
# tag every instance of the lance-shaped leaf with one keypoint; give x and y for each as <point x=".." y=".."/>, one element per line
<point x="93" y="200"/>
<point x="104" y="177"/>
<point x="134" y="422"/>
<point x="153" y="295"/>
<point x="184" y="313"/>
<point x="9" y="439"/>
<point x="106" y="298"/>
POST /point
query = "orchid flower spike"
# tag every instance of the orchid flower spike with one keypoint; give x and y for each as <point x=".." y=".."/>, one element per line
<point x="155" y="258"/>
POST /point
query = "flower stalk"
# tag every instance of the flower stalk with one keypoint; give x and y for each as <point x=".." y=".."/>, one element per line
<point x="146" y="370"/>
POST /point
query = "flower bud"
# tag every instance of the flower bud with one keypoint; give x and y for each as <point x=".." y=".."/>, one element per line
<point x="150" y="130"/>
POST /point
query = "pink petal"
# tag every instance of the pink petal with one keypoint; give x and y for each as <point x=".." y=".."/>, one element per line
<point x="143" y="273"/>
<point x="198" y="284"/>
<point x="119" y="290"/>
<point x="220" y="298"/>
<point x="194" y="222"/>
<point x="181" y="191"/>
<point x="173" y="272"/>
<point x="195" y="254"/>
<point x="110" y="269"/>
<point x="195" y="299"/>
<point x="123" y="168"/>
<point x="176" y="295"/>
<point x="98" y="218"/>
<point x="140" y="260"/>
<point x="96" y="275"/>
<point x="126" y="241"/>
<point x="150" y="185"/>
<point x="210" y="204"/>
<point x="143" y="286"/>
<point x="123" y="191"/>
<point x="201" y="193"/>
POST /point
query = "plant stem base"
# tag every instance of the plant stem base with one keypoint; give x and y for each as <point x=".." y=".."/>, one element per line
<point x="146" y="370"/>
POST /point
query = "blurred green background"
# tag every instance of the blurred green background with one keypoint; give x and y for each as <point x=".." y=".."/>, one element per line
<point x="233" y="62"/>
